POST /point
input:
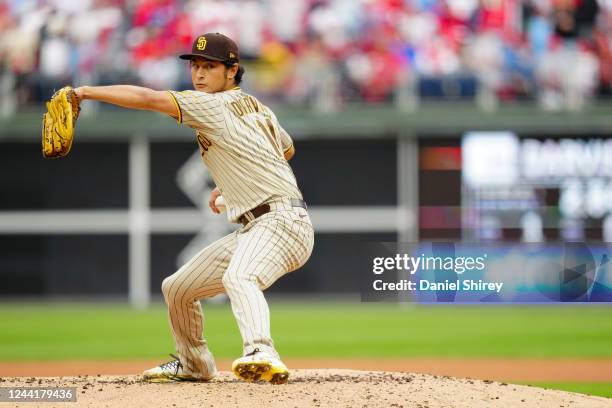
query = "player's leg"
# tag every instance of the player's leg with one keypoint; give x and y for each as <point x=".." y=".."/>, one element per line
<point x="274" y="245"/>
<point x="199" y="278"/>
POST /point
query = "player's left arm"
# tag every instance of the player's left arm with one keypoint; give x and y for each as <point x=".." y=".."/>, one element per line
<point x="132" y="97"/>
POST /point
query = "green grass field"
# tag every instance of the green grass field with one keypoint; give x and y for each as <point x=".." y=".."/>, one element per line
<point x="356" y="330"/>
<point x="597" y="388"/>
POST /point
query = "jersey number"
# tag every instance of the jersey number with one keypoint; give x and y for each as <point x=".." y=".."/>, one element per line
<point x="268" y="130"/>
<point x="204" y="143"/>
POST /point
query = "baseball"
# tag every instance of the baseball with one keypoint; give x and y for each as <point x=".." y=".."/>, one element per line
<point x="220" y="203"/>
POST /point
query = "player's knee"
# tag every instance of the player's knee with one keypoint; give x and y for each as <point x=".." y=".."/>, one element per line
<point x="228" y="281"/>
<point x="167" y="287"/>
<point x="232" y="281"/>
<point x="176" y="291"/>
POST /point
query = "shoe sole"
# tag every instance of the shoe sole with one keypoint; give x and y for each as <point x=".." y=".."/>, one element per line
<point x="157" y="380"/>
<point x="261" y="371"/>
<point x="170" y="379"/>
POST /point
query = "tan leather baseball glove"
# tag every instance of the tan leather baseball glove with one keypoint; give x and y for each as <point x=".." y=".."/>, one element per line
<point x="58" y="123"/>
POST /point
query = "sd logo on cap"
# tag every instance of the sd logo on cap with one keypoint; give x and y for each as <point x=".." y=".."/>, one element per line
<point x="201" y="44"/>
<point x="216" y="47"/>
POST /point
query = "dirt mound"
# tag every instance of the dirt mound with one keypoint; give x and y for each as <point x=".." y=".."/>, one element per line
<point x="308" y="388"/>
<point x="521" y="370"/>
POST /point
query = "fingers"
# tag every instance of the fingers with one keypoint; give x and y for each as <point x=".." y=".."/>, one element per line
<point x="213" y="207"/>
<point x="211" y="202"/>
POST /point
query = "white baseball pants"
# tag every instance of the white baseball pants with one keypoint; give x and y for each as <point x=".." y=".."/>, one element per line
<point x="241" y="264"/>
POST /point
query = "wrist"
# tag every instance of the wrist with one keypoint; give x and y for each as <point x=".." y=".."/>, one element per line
<point x="81" y="92"/>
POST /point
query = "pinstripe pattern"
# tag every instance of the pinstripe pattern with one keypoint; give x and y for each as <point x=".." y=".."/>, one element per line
<point x="242" y="161"/>
<point x="268" y="248"/>
<point x="242" y="264"/>
<point x="197" y="279"/>
<point x="242" y="145"/>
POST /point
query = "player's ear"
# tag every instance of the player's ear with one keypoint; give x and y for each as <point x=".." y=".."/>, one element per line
<point x="231" y="72"/>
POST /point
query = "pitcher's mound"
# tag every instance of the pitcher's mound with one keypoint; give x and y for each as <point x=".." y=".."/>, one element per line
<point x="308" y="388"/>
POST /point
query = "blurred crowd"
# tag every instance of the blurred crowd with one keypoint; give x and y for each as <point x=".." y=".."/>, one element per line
<point x="323" y="53"/>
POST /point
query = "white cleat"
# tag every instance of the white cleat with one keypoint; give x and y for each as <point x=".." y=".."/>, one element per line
<point x="171" y="371"/>
<point x="260" y="366"/>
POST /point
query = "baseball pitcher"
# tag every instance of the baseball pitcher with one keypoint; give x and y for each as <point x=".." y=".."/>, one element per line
<point x="246" y="151"/>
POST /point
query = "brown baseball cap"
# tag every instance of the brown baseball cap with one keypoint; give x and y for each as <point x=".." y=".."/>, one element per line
<point x="214" y="46"/>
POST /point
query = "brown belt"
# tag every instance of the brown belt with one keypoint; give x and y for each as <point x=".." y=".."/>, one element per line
<point x="265" y="208"/>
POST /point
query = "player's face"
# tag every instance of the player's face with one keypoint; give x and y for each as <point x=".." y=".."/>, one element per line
<point x="210" y="76"/>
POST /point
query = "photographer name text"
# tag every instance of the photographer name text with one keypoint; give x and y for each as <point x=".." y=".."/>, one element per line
<point x="446" y="285"/>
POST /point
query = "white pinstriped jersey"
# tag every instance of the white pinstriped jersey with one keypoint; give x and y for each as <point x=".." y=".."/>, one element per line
<point x="243" y="146"/>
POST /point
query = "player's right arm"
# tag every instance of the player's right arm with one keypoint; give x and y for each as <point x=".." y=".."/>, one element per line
<point x="286" y="144"/>
<point x="132" y="97"/>
<point x="289" y="152"/>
